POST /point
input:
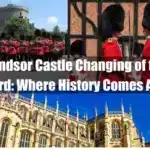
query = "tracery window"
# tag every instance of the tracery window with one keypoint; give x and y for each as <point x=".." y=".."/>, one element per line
<point x="34" y="117"/>
<point x="25" y="139"/>
<point x="42" y="141"/>
<point x="58" y="143"/>
<point x="24" y="112"/>
<point x="82" y="132"/>
<point x="71" y="144"/>
<point x="115" y="130"/>
<point x="4" y="133"/>
<point x="61" y="125"/>
<point x="92" y="134"/>
<point x="72" y="129"/>
<point x="47" y="121"/>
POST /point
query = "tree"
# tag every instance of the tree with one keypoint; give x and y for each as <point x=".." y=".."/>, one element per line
<point x="19" y="26"/>
<point x="56" y="30"/>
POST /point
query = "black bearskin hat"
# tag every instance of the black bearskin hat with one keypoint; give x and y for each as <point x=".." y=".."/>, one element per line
<point x="77" y="48"/>
<point x="37" y="32"/>
<point x="3" y="35"/>
<point x="112" y="20"/>
<point x="44" y="34"/>
<point x="29" y="38"/>
<point x="22" y="37"/>
<point x="146" y="17"/>
<point x="12" y="34"/>
<point x="48" y="35"/>
<point x="56" y="37"/>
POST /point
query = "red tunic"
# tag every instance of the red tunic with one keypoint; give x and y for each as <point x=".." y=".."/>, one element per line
<point x="51" y="45"/>
<point x="45" y="46"/>
<point x="146" y="55"/>
<point x="12" y="50"/>
<point x="37" y="48"/>
<point x="22" y="48"/>
<point x="111" y="51"/>
<point x="4" y="46"/>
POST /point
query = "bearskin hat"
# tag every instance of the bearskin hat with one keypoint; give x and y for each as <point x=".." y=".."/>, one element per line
<point x="146" y="17"/>
<point x="112" y="20"/>
<point x="44" y="34"/>
<point x="22" y="37"/>
<point x="77" y="48"/>
<point x="56" y="37"/>
<point x="12" y="34"/>
<point x="37" y="32"/>
<point x="29" y="38"/>
<point x="3" y="35"/>
<point x="48" y="35"/>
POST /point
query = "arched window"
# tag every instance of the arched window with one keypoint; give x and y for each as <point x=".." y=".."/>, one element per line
<point x="115" y="130"/>
<point x="58" y="143"/>
<point x="4" y="133"/>
<point x="72" y="144"/>
<point x="24" y="111"/>
<point x="34" y="117"/>
<point x="72" y="129"/>
<point x="49" y="121"/>
<point x="42" y="141"/>
<point x="25" y="139"/>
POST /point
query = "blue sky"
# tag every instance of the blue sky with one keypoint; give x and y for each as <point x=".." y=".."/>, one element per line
<point x="44" y="13"/>
<point x="86" y="102"/>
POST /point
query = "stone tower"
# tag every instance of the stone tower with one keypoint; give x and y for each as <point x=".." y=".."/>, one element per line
<point x="115" y="129"/>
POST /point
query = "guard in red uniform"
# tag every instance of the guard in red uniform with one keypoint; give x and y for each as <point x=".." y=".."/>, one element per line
<point x="55" y="52"/>
<point x="35" y="48"/>
<point x="30" y="48"/>
<point x="22" y="48"/>
<point x="12" y="48"/>
<point x="3" y="46"/>
<point x="50" y="45"/>
<point x="146" y="50"/>
<point x="112" y="24"/>
<point x="44" y="46"/>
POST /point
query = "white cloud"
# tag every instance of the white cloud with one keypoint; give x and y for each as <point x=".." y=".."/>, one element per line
<point x="52" y="20"/>
<point x="15" y="1"/>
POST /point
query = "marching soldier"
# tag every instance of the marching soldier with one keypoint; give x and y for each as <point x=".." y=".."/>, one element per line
<point x="49" y="42"/>
<point x="55" y="52"/>
<point x="112" y="24"/>
<point x="3" y="46"/>
<point x="23" y="48"/>
<point x="30" y="48"/>
<point x="12" y="48"/>
<point x="44" y="45"/>
<point x="146" y="50"/>
<point x="35" y="45"/>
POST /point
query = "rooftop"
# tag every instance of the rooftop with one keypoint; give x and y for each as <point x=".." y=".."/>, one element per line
<point x="13" y="6"/>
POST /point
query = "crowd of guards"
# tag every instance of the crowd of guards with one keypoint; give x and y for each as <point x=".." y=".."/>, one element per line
<point x="42" y="45"/>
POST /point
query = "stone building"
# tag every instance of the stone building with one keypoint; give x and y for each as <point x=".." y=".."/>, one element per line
<point x="9" y="11"/>
<point x="26" y="123"/>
